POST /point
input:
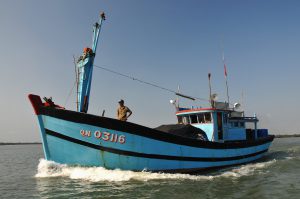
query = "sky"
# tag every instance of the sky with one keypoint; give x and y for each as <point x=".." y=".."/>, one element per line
<point x="167" y="42"/>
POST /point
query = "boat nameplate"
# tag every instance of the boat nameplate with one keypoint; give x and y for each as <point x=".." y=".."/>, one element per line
<point x="105" y="136"/>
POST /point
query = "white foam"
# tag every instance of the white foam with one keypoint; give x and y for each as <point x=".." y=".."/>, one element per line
<point x="289" y="158"/>
<point x="294" y="149"/>
<point x="97" y="174"/>
<point x="248" y="169"/>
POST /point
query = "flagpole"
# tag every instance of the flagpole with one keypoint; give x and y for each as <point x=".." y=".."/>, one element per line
<point x="225" y="73"/>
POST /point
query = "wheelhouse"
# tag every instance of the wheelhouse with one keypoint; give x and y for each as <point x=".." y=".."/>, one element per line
<point x="222" y="125"/>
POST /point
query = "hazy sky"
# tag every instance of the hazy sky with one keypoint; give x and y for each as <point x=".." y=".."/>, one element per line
<point x="165" y="42"/>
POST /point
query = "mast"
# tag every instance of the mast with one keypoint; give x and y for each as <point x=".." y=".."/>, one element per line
<point x="210" y="96"/>
<point x="85" y="69"/>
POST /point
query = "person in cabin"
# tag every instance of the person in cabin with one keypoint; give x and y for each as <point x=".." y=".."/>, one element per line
<point x="122" y="111"/>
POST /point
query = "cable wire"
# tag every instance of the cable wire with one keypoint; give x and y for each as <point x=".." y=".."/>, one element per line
<point x="70" y="93"/>
<point x="150" y="84"/>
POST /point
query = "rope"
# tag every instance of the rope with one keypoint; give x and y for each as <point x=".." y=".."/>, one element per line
<point x="148" y="83"/>
<point x="70" y="93"/>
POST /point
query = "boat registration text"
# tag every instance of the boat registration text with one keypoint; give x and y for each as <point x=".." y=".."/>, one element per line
<point x="105" y="136"/>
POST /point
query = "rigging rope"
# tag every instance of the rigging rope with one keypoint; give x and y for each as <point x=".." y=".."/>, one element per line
<point x="70" y="93"/>
<point x="141" y="81"/>
<point x="150" y="84"/>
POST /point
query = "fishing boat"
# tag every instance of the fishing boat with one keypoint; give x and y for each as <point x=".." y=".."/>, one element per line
<point x="203" y="138"/>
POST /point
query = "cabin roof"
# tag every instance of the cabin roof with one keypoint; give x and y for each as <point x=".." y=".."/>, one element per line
<point x="200" y="110"/>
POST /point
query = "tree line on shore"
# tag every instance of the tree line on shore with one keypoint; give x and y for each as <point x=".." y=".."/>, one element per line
<point x="19" y="143"/>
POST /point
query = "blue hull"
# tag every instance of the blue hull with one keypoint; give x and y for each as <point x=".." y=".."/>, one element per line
<point x="82" y="139"/>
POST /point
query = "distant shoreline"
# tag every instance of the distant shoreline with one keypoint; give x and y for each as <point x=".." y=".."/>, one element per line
<point x="287" y="136"/>
<point x="19" y="143"/>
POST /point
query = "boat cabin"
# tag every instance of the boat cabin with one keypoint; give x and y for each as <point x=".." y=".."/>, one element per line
<point x="221" y="124"/>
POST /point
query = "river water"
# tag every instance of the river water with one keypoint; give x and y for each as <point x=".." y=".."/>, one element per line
<point x="25" y="174"/>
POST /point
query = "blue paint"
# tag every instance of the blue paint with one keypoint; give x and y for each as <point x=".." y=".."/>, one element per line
<point x="207" y="128"/>
<point x="262" y="133"/>
<point x="228" y="131"/>
<point x="235" y="134"/>
<point x="43" y="136"/>
<point x="75" y="154"/>
<point x="71" y="153"/>
<point x="85" y="70"/>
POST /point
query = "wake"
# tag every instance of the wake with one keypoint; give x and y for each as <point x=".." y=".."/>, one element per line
<point x="48" y="169"/>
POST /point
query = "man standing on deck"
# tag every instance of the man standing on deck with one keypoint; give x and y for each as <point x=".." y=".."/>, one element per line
<point x="122" y="111"/>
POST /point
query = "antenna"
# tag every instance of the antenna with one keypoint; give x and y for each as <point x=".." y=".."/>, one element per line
<point x="243" y="101"/>
<point x="178" y="91"/>
<point x="210" y="96"/>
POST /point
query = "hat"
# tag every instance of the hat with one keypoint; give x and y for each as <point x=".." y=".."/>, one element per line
<point x="121" y="101"/>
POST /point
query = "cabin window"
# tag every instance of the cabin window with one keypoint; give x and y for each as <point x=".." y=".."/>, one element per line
<point x="225" y="118"/>
<point x="242" y="124"/>
<point x="179" y="118"/>
<point x="204" y="118"/>
<point x="185" y="120"/>
<point x="194" y="119"/>
<point x="207" y="117"/>
<point x="236" y="124"/>
<point x="201" y="118"/>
